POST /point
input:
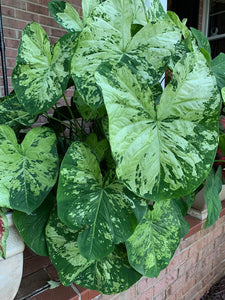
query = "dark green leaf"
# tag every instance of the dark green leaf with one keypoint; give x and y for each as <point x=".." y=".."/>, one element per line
<point x="212" y="189"/>
<point x="109" y="275"/>
<point x="218" y="68"/>
<point x="32" y="227"/>
<point x="156" y="238"/>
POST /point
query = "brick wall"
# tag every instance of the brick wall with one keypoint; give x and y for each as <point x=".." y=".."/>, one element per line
<point x="197" y="264"/>
<point x="16" y="14"/>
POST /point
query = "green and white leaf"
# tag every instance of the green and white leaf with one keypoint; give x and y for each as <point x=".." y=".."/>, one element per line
<point x="87" y="7"/>
<point x="145" y="11"/>
<point x="40" y="77"/>
<point x="65" y="15"/>
<point x="212" y="189"/>
<point x="32" y="227"/>
<point x="106" y="213"/>
<point x="218" y="68"/>
<point x="109" y="275"/>
<point x="107" y="35"/>
<point x="166" y="150"/>
<point x="29" y="170"/>
<point x="4" y="232"/>
<point x="13" y="114"/>
<point x="156" y="238"/>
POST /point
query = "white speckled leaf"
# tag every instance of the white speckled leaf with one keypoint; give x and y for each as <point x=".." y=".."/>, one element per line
<point x="152" y="11"/>
<point x="28" y="170"/>
<point x="87" y="8"/>
<point x="156" y="238"/>
<point x="13" y="114"/>
<point x="4" y="232"/>
<point x="109" y="275"/>
<point x="39" y="77"/>
<point x="107" y="35"/>
<point x="165" y="147"/>
<point x="65" y="15"/>
<point x="105" y="212"/>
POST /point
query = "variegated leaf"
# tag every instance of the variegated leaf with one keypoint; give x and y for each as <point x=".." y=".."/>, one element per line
<point x="109" y="275"/>
<point x="156" y="238"/>
<point x="165" y="147"/>
<point x="87" y="8"/>
<point x="13" y="114"/>
<point x="147" y="11"/>
<point x="212" y="189"/>
<point x="39" y="77"/>
<point x="32" y="227"/>
<point x="4" y="232"/>
<point x="29" y="170"/>
<point x="105" y="212"/>
<point x="65" y="15"/>
<point x="108" y="36"/>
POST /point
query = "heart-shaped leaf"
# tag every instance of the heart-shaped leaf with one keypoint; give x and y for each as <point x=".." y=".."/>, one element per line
<point x="13" y="114"/>
<point x="32" y="227"/>
<point x="165" y="147"/>
<point x="4" y="232"/>
<point x="107" y="35"/>
<point x="39" y="77"/>
<point x="109" y="275"/>
<point x="65" y="15"/>
<point x="156" y="238"/>
<point x="105" y="212"/>
<point x="28" y="171"/>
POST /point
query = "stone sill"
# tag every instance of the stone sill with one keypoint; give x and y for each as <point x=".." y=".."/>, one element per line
<point x="39" y="270"/>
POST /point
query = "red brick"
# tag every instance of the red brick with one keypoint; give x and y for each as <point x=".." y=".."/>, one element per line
<point x="15" y="3"/>
<point x="58" y="32"/>
<point x="11" y="43"/>
<point x="11" y="52"/>
<point x="193" y="293"/>
<point x="23" y="15"/>
<point x="160" y="286"/>
<point x="219" y="240"/>
<point x="145" y="283"/>
<point x="176" y="286"/>
<point x="8" y="11"/>
<point x="43" y="10"/>
<point x="34" y="264"/>
<point x="147" y="295"/>
<point x="130" y="294"/>
<point x="178" y="260"/>
<point x="160" y="296"/>
<point x="13" y="23"/>
<point x="10" y="33"/>
<point x="49" y="21"/>
<point x="10" y="62"/>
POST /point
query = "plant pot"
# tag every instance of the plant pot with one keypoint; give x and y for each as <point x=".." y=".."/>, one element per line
<point x="11" y="268"/>
<point x="198" y="208"/>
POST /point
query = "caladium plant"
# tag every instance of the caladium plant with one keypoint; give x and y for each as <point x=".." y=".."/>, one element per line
<point x="103" y="186"/>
